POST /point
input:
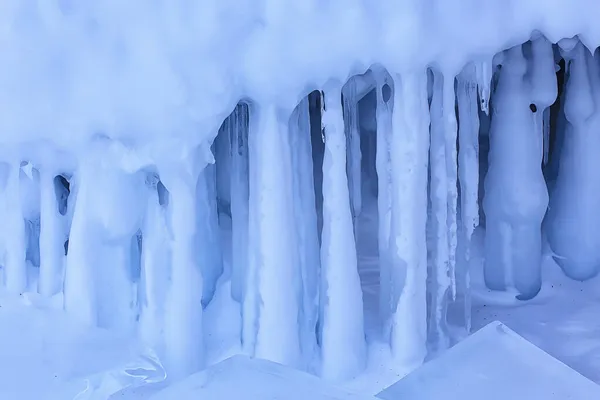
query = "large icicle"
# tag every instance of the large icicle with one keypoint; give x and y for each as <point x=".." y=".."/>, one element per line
<point x="441" y="210"/>
<point x="385" y="105"/>
<point x="52" y="235"/>
<point x="409" y="156"/>
<point x="343" y="347"/>
<point x="237" y="127"/>
<point x="306" y="220"/>
<point x="516" y="197"/>
<point x="15" y="267"/>
<point x="156" y="268"/>
<point x="278" y="272"/>
<point x="353" y="165"/>
<point x="574" y="216"/>
<point x="468" y="170"/>
<point x="184" y="344"/>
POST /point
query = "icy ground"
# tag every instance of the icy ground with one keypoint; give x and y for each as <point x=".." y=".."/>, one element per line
<point x="43" y="351"/>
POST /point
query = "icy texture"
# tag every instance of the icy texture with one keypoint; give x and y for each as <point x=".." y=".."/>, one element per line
<point x="343" y="343"/>
<point x="516" y="195"/>
<point x="240" y="377"/>
<point x="573" y="216"/>
<point x="496" y="364"/>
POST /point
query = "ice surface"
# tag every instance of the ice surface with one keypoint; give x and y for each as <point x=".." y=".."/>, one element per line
<point x="241" y="377"/>
<point x="493" y="364"/>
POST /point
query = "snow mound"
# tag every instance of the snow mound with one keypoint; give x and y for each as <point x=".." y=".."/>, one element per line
<point x="242" y="377"/>
<point x="494" y="363"/>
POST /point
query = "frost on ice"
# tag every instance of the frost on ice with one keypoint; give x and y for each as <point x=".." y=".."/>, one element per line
<point x="210" y="191"/>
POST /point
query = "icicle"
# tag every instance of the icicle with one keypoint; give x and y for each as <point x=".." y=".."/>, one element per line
<point x="483" y="75"/>
<point x="52" y="235"/>
<point x="278" y="273"/>
<point x="409" y="152"/>
<point x="238" y="131"/>
<point x="516" y="194"/>
<point x="450" y="133"/>
<point x="468" y="169"/>
<point x="384" y="196"/>
<point x="441" y="208"/>
<point x="208" y="233"/>
<point x="573" y="216"/>
<point x="343" y="342"/>
<point x="155" y="271"/>
<point x="306" y="220"/>
<point x="353" y="164"/>
<point x="15" y="268"/>
<point x="184" y="346"/>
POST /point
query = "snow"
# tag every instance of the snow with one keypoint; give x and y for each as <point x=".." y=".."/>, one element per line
<point x="254" y="379"/>
<point x="494" y="363"/>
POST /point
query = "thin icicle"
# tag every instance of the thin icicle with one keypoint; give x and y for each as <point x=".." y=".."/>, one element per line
<point x="343" y="342"/>
<point x="483" y="76"/>
<point x="385" y="105"/>
<point x="15" y="267"/>
<point x="468" y="169"/>
<point x="306" y="220"/>
<point x="237" y="127"/>
<point x="440" y="207"/>
<point x="450" y="133"/>
<point x="353" y="164"/>
<point x="409" y="154"/>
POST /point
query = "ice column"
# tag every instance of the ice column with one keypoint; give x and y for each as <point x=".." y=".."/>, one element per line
<point x="468" y="170"/>
<point x="516" y="197"/>
<point x="441" y="209"/>
<point x="306" y="221"/>
<point x="156" y="268"/>
<point x="184" y="344"/>
<point x="15" y="268"/>
<point x="278" y="275"/>
<point x="574" y="216"/>
<point x="353" y="166"/>
<point x="343" y="341"/>
<point x="52" y="235"/>
<point x="237" y="127"/>
<point x="385" y="105"/>
<point x="409" y="157"/>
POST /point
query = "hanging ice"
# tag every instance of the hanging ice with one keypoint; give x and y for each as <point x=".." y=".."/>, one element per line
<point x="407" y="324"/>
<point x="573" y="216"/>
<point x="516" y="195"/>
<point x="343" y="344"/>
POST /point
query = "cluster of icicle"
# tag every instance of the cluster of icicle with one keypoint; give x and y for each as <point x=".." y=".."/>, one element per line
<point x="140" y="248"/>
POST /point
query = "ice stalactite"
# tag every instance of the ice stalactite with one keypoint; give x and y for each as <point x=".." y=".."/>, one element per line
<point x="408" y="249"/>
<point x="53" y="233"/>
<point x="468" y="170"/>
<point x="99" y="287"/>
<point x="155" y="265"/>
<point x="237" y="128"/>
<point x="277" y="275"/>
<point x="516" y="197"/>
<point x="343" y="348"/>
<point x="441" y="209"/>
<point x="353" y="165"/>
<point x="208" y="238"/>
<point x="13" y="232"/>
<point x="573" y="216"/>
<point x="385" y="105"/>
<point x="306" y="223"/>
<point x="184" y="344"/>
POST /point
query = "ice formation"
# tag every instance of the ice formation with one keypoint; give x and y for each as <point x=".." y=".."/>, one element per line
<point x="152" y="158"/>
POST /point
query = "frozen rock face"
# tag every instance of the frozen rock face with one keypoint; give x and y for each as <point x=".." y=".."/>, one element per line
<point x="574" y="216"/>
<point x="516" y="197"/>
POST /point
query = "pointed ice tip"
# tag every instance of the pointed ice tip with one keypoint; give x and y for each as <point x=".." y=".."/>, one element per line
<point x="28" y="169"/>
